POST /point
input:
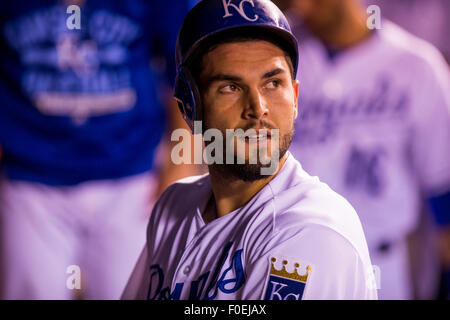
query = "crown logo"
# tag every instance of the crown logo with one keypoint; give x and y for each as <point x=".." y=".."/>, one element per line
<point x="283" y="272"/>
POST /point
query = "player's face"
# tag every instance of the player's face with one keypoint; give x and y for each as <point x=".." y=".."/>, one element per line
<point x="248" y="85"/>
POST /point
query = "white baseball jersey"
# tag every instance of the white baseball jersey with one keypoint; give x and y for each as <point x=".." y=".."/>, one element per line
<point x="295" y="239"/>
<point x="374" y="124"/>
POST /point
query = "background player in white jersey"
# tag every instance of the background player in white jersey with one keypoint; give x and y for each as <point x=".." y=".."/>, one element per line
<point x="375" y="126"/>
<point x="426" y="19"/>
<point x="235" y="233"/>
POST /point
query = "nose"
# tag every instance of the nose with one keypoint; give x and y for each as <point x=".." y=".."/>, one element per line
<point x="256" y="105"/>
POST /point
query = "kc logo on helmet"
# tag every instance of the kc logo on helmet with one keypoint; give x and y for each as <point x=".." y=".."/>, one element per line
<point x="239" y="9"/>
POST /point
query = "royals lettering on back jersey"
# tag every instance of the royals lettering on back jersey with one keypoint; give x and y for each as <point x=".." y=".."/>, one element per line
<point x="295" y="239"/>
<point x="374" y="124"/>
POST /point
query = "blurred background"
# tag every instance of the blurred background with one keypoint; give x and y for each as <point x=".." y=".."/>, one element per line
<point x="86" y="115"/>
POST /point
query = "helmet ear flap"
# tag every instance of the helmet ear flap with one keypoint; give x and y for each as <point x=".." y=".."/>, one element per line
<point x="188" y="97"/>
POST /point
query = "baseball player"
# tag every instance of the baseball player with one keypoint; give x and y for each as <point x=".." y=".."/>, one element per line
<point x="375" y="126"/>
<point x="235" y="233"/>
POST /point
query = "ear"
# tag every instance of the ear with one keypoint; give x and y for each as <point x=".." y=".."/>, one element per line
<point x="296" y="85"/>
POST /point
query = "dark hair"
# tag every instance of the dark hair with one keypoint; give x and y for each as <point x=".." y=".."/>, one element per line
<point x="195" y="62"/>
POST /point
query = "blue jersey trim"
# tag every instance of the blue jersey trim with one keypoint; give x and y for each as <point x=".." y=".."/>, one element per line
<point x="440" y="205"/>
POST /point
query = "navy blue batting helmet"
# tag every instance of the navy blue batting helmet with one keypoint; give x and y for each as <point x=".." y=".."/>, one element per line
<point x="211" y="20"/>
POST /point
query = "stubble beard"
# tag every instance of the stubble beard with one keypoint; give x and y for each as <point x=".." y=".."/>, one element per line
<point x="249" y="172"/>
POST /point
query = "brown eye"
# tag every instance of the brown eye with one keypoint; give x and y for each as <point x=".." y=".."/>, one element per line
<point x="273" y="84"/>
<point x="229" y="88"/>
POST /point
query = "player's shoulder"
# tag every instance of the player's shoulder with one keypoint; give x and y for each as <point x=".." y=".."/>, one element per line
<point x="315" y="243"/>
<point x="323" y="207"/>
<point x="182" y="193"/>
<point x="329" y="253"/>
<point x="186" y="184"/>
<point x="306" y="199"/>
<point x="331" y="256"/>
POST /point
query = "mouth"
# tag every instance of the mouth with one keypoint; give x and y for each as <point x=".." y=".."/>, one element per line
<point x="257" y="138"/>
<point x="259" y="135"/>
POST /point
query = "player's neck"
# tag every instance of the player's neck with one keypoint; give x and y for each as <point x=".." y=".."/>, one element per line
<point x="349" y="31"/>
<point x="232" y="193"/>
